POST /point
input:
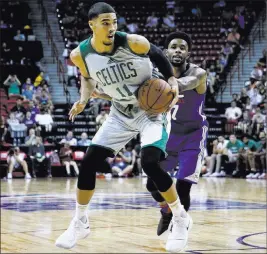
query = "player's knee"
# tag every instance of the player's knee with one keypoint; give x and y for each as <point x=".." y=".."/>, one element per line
<point x="150" y="157"/>
<point x="94" y="159"/>
<point x="150" y="185"/>
<point x="94" y="156"/>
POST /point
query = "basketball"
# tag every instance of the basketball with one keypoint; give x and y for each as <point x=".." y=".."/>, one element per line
<point x="155" y="96"/>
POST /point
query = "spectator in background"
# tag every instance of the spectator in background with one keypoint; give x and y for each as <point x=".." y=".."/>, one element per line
<point x="84" y="140"/>
<point x="13" y="84"/>
<point x="20" y="56"/>
<point x="254" y="95"/>
<point x="211" y="78"/>
<point x="246" y="157"/>
<point x="233" y="113"/>
<point x="28" y="93"/>
<point x="37" y="155"/>
<point x="45" y="120"/>
<point x="3" y="25"/>
<point x="244" y="123"/>
<point x="122" y="24"/>
<point x="101" y="118"/>
<point x="260" y="156"/>
<point x="170" y="5"/>
<point x="257" y="72"/>
<point x="263" y="59"/>
<point x="233" y="38"/>
<point x="222" y="62"/>
<point x="19" y="36"/>
<point x="39" y="79"/>
<point x="5" y="54"/>
<point x="28" y="121"/>
<point x="168" y="21"/>
<point x="152" y="21"/>
<point x="15" y="160"/>
<point x="122" y="164"/>
<point x="133" y="27"/>
<point x="258" y="121"/>
<point x="72" y="69"/>
<point x="219" y="147"/>
<point x="28" y="82"/>
<point x="197" y="12"/>
<point x="31" y="139"/>
<point x="248" y="105"/>
<point x="3" y="130"/>
<point x="69" y="139"/>
<point x="243" y="97"/>
<point x="34" y="110"/>
<point x="232" y="150"/>
<point x="227" y="50"/>
<point x="65" y="155"/>
<point x="137" y="155"/>
<point x="19" y="110"/>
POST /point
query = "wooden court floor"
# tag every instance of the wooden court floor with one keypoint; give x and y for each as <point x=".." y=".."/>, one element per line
<point x="229" y="216"/>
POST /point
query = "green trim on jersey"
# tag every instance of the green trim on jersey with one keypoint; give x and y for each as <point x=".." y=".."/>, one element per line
<point x="161" y="144"/>
<point x="85" y="49"/>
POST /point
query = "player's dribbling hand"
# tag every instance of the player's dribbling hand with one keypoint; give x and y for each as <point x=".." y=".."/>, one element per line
<point x="76" y="109"/>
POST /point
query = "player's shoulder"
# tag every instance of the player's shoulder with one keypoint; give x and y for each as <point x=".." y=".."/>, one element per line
<point x="138" y="44"/>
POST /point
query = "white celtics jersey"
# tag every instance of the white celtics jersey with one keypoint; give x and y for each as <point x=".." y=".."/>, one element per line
<point x="120" y="73"/>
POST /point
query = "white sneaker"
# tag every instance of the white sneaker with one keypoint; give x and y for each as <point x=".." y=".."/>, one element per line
<point x="9" y="176"/>
<point x="76" y="230"/>
<point x="250" y="176"/>
<point x="178" y="237"/>
<point x="222" y="173"/>
<point x="207" y="174"/>
<point x="255" y="176"/>
<point x="215" y="174"/>
<point x="108" y="175"/>
<point x="28" y="176"/>
<point x="262" y="176"/>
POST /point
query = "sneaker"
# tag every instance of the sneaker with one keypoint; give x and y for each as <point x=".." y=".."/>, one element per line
<point x="9" y="176"/>
<point x="178" y="237"/>
<point x="222" y="174"/>
<point x="250" y="176"/>
<point x="108" y="175"/>
<point x="28" y="176"/>
<point x="207" y="174"/>
<point x="255" y="176"/>
<point x="236" y="173"/>
<point x="76" y="230"/>
<point x="164" y="222"/>
<point x="215" y="174"/>
<point x="262" y="176"/>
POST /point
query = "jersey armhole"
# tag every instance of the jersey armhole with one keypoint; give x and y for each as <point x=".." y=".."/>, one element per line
<point x="85" y="49"/>
<point x="122" y="41"/>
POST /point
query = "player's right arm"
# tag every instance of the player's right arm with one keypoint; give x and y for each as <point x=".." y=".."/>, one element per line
<point x="88" y="85"/>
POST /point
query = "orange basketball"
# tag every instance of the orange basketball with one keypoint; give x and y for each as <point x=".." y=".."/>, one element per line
<point x="155" y="96"/>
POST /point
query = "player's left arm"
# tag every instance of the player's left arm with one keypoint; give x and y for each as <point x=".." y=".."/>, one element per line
<point x="198" y="82"/>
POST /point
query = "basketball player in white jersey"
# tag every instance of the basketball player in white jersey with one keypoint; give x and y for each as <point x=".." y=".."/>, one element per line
<point x="120" y="63"/>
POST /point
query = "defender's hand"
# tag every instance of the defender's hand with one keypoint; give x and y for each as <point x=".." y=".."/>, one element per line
<point x="175" y="91"/>
<point x="76" y="109"/>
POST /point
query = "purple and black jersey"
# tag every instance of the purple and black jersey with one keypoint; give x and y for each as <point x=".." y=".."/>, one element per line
<point x="188" y="133"/>
<point x="187" y="115"/>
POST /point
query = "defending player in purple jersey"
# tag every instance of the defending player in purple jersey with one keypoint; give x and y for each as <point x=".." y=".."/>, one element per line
<point x="188" y="133"/>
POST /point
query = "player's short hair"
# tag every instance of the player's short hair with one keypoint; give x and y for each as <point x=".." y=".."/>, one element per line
<point x="99" y="8"/>
<point x="179" y="35"/>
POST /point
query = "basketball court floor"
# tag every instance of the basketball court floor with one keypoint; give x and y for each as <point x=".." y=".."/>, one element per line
<point x="229" y="216"/>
